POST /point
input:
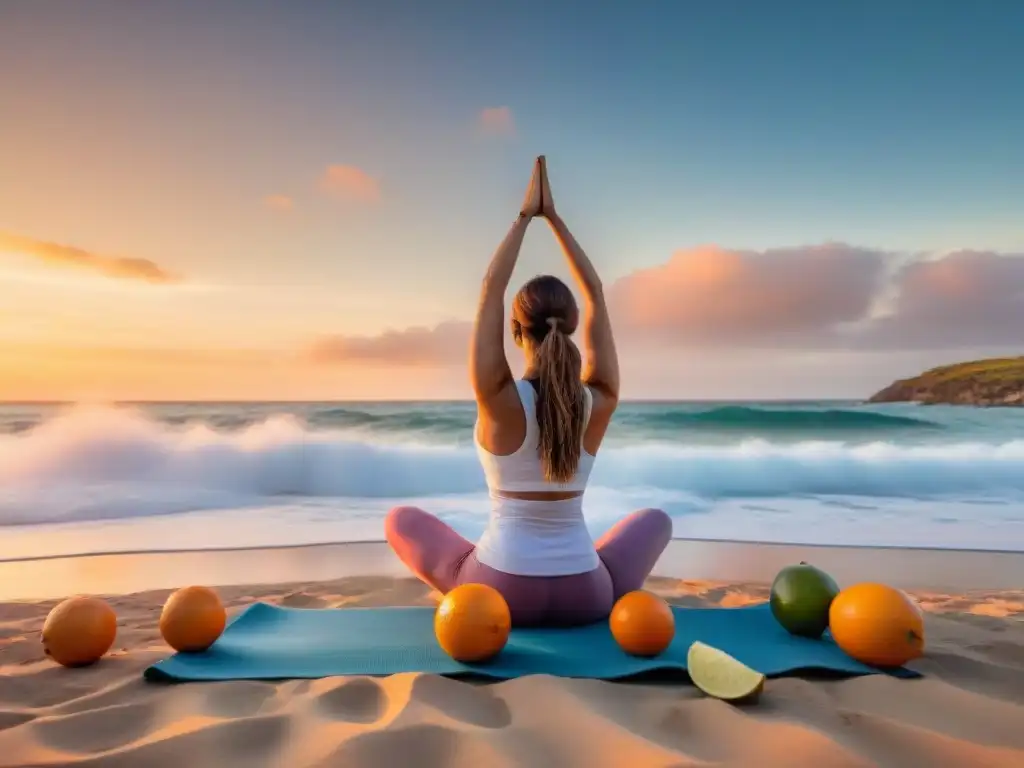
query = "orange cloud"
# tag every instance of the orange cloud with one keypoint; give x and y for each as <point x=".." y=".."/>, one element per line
<point x="445" y="344"/>
<point x="496" y="121"/>
<point x="279" y="202"/>
<point x="347" y="182"/>
<point x="713" y="294"/>
<point x="65" y="255"/>
<point x="801" y="298"/>
<point x="963" y="299"/>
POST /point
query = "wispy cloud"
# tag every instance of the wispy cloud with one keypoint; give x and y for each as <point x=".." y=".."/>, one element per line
<point x="445" y="344"/>
<point x="118" y="267"/>
<point x="496" y="121"/>
<point x="279" y="203"/>
<point x="347" y="182"/>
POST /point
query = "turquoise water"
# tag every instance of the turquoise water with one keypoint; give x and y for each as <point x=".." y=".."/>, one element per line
<point x="76" y="479"/>
<point x="681" y="422"/>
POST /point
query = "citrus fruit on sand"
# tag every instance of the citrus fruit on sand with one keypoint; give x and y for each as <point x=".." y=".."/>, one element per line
<point x="800" y="599"/>
<point x="192" y="619"/>
<point x="472" y="623"/>
<point x="642" y="623"/>
<point x="79" y="631"/>
<point x="720" y="675"/>
<point x="877" y="625"/>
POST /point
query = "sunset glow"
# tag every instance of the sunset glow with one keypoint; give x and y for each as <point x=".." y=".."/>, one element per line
<point x="313" y="220"/>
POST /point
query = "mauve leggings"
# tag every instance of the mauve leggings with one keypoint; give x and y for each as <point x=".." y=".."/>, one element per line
<point x="443" y="559"/>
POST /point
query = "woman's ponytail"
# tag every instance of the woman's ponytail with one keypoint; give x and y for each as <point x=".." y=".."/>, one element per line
<point x="561" y="404"/>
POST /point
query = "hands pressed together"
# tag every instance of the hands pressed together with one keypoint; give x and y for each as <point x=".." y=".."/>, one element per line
<point x="538" y="200"/>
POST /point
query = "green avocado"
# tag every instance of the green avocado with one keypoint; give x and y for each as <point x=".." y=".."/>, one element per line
<point x="800" y="599"/>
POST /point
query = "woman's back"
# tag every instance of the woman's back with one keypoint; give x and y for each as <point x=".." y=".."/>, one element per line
<point x="536" y="525"/>
<point x="521" y="470"/>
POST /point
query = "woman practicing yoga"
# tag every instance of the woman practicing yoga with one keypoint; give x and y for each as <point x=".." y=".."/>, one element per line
<point x="536" y="440"/>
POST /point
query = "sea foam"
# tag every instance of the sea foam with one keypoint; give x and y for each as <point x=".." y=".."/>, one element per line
<point x="91" y="463"/>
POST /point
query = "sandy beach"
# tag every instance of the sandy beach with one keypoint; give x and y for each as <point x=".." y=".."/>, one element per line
<point x="968" y="710"/>
<point x="301" y="300"/>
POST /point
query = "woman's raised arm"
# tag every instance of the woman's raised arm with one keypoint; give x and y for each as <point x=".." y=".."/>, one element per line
<point x="489" y="370"/>
<point x="601" y="368"/>
<point x="490" y="374"/>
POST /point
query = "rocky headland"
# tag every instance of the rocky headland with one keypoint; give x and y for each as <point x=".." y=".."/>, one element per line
<point x="990" y="383"/>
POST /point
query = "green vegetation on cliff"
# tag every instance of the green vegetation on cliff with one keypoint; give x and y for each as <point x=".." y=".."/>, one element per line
<point x="999" y="381"/>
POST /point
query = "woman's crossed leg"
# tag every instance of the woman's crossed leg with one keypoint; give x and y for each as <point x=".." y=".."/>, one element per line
<point x="443" y="559"/>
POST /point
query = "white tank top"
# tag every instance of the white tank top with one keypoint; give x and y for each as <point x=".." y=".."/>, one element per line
<point x="535" y="538"/>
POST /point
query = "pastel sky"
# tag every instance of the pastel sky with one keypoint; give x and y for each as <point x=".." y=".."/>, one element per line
<point x="269" y="200"/>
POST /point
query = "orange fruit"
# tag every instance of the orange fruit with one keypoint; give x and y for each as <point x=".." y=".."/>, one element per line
<point x="192" y="619"/>
<point x="79" y="631"/>
<point x="877" y="625"/>
<point x="472" y="623"/>
<point x="642" y="623"/>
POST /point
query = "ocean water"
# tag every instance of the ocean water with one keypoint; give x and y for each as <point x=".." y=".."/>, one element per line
<point x="77" y="479"/>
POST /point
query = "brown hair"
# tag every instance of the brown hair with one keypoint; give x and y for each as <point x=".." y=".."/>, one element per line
<point x="545" y="311"/>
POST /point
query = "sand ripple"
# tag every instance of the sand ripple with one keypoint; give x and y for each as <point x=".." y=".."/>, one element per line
<point x="968" y="711"/>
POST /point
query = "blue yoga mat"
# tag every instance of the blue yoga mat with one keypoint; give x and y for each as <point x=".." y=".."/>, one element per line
<point x="266" y="642"/>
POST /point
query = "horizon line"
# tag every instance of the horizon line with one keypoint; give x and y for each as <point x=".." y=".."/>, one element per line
<point x="466" y="401"/>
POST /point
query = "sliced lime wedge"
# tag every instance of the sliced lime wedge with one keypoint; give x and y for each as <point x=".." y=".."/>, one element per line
<point x="720" y="675"/>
